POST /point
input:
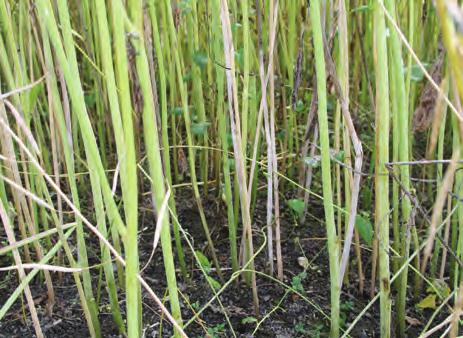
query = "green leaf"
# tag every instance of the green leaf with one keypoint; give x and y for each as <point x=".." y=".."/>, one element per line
<point x="200" y="59"/>
<point x="312" y="161"/>
<point x="213" y="331"/>
<point x="300" y="328"/>
<point x="90" y="99"/>
<point x="347" y="306"/>
<point x="296" y="282"/>
<point x="195" y="306"/>
<point x="239" y="57"/>
<point x="203" y="261"/>
<point x="440" y="286"/>
<point x="428" y="303"/>
<point x="33" y="95"/>
<point x="248" y="320"/>
<point x="300" y="107"/>
<point x="417" y="73"/>
<point x="215" y="284"/>
<point x="339" y="156"/>
<point x="235" y="26"/>
<point x="364" y="228"/>
<point x="187" y="77"/>
<point x="177" y="111"/>
<point x="297" y="205"/>
<point x="199" y="128"/>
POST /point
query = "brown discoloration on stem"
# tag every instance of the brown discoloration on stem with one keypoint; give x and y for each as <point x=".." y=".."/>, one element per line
<point x="385" y="284"/>
<point x="424" y="112"/>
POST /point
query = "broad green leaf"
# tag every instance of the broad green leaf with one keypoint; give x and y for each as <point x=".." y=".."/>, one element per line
<point x="199" y="128"/>
<point x="417" y="73"/>
<point x="440" y="286"/>
<point x="364" y="228"/>
<point x="203" y="261"/>
<point x="428" y="303"/>
<point x="339" y="156"/>
<point x="215" y="284"/>
<point x="297" y="205"/>
<point x="296" y="282"/>
<point x="248" y="320"/>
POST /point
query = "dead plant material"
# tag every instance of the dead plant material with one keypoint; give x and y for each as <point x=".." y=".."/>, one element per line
<point x="424" y="112"/>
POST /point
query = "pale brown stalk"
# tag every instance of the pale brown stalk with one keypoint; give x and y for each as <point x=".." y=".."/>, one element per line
<point x="237" y="146"/>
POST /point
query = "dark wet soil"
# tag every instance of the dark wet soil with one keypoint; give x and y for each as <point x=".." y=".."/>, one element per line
<point x="283" y="313"/>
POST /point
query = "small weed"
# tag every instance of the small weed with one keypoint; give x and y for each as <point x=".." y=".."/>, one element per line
<point x="300" y="328"/>
<point x="195" y="306"/>
<point x="248" y="320"/>
<point x="345" y="308"/>
<point x="216" y="330"/>
<point x="296" y="282"/>
<point x="318" y="330"/>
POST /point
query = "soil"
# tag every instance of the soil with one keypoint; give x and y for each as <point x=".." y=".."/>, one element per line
<point x="286" y="313"/>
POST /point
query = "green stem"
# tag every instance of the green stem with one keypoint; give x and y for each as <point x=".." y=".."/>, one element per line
<point x="382" y="157"/>
<point x="333" y="248"/>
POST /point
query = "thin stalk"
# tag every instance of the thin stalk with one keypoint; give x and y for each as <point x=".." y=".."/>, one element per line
<point x="28" y="278"/>
<point x="246" y="67"/>
<point x="123" y="152"/>
<point x="22" y="275"/>
<point x="274" y="170"/>
<point x="333" y="249"/>
<point x="237" y="145"/>
<point x="218" y="55"/>
<point x="164" y="131"/>
<point x="16" y="64"/>
<point x="382" y="157"/>
<point x="401" y="104"/>
<point x="439" y="174"/>
<point x="186" y="115"/>
<point x="197" y="87"/>
<point x="156" y="171"/>
<point x="57" y="109"/>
